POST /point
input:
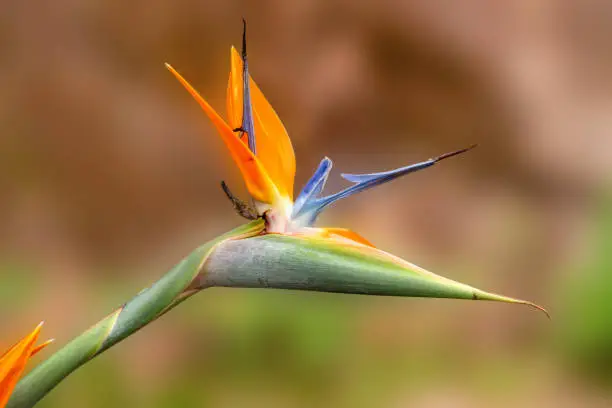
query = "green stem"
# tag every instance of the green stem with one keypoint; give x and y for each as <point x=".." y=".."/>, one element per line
<point x="144" y="308"/>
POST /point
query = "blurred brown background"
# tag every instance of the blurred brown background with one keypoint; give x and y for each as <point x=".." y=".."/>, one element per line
<point x="110" y="173"/>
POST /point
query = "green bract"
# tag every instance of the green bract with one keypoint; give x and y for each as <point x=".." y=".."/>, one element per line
<point x="247" y="257"/>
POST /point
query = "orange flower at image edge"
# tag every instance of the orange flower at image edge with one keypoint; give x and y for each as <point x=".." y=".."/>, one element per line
<point x="14" y="360"/>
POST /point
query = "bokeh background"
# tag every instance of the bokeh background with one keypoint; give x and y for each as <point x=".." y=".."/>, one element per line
<point x="110" y="173"/>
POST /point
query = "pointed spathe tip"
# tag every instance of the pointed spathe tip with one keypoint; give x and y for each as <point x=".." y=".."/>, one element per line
<point x="540" y="308"/>
<point x="479" y="295"/>
<point x="533" y="305"/>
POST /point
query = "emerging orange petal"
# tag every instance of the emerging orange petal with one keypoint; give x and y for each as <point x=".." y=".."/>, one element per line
<point x="340" y="234"/>
<point x="256" y="178"/>
<point x="40" y="347"/>
<point x="13" y="362"/>
<point x="346" y="233"/>
<point x="274" y="148"/>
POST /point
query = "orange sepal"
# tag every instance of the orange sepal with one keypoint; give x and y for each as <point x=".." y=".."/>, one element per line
<point x="256" y="178"/>
<point x="14" y="360"/>
<point x="234" y="91"/>
<point x="274" y="148"/>
<point x="40" y="347"/>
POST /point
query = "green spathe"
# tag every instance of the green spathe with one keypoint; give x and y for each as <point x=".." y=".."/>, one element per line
<point x="247" y="257"/>
<point x="324" y="265"/>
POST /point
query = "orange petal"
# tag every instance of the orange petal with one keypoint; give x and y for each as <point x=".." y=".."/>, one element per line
<point x="256" y="178"/>
<point x="274" y="148"/>
<point x="13" y="362"/>
<point x="234" y="91"/>
<point x="348" y="234"/>
<point x="38" y="348"/>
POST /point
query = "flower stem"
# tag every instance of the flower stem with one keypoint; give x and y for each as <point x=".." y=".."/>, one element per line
<point x="151" y="303"/>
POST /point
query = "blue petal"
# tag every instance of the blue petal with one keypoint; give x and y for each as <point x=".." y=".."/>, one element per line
<point x="383" y="177"/>
<point x="308" y="206"/>
<point x="311" y="206"/>
<point x="362" y="182"/>
<point x="314" y="186"/>
<point x="247" y="107"/>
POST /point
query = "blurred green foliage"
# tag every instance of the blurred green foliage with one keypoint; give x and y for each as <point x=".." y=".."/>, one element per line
<point x="586" y="331"/>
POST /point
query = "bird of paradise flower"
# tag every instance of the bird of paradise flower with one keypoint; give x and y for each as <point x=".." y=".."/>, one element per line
<point x="14" y="360"/>
<point x="266" y="160"/>
<point x="260" y="146"/>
